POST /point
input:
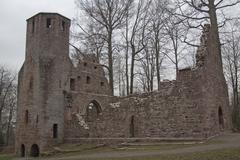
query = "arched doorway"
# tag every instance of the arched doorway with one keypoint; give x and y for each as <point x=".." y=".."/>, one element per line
<point x="131" y="127"/>
<point x="92" y="111"/>
<point x="34" y="150"/>
<point x="22" y="150"/>
<point x="220" y="118"/>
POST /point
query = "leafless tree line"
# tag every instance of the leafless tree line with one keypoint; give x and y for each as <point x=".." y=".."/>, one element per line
<point x="143" y="41"/>
<point x="147" y="36"/>
<point x="8" y="103"/>
<point x="231" y="59"/>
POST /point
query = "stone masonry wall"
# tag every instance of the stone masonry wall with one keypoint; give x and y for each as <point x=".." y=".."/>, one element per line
<point x="77" y="99"/>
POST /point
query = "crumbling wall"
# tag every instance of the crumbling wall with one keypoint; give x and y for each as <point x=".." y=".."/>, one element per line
<point x="187" y="107"/>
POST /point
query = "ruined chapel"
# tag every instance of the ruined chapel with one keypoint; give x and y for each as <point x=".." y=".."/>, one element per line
<point x="62" y="103"/>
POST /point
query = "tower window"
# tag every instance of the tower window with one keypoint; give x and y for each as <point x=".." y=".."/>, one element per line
<point x="102" y="83"/>
<point x="72" y="84"/>
<point x="33" y="26"/>
<point x="26" y="117"/>
<point x="88" y="80"/>
<point x="85" y="64"/>
<point x="49" y="22"/>
<point x="55" y="130"/>
<point x="63" y="25"/>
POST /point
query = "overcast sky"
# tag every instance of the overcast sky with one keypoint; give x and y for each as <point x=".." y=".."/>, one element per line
<point x="13" y="15"/>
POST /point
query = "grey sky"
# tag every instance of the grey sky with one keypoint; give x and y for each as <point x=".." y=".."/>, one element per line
<point x="13" y="15"/>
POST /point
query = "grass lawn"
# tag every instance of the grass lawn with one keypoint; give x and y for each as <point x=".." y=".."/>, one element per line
<point x="72" y="150"/>
<point x="224" y="154"/>
<point x="6" y="157"/>
<point x="88" y="149"/>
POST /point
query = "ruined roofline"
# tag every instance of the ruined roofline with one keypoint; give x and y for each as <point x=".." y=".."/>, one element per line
<point x="48" y="13"/>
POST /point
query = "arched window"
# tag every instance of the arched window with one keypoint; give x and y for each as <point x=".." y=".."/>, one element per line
<point x="93" y="111"/>
<point x="26" y="117"/>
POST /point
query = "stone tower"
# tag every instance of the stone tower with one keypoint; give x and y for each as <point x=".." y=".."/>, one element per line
<point x="42" y="79"/>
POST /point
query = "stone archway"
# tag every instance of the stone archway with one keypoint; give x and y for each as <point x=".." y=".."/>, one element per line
<point x="35" y="151"/>
<point x="92" y="111"/>
<point x="22" y="150"/>
<point x="220" y="118"/>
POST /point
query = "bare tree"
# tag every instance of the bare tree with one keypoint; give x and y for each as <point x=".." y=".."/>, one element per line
<point x="147" y="69"/>
<point x="109" y="14"/>
<point x="175" y="33"/>
<point x="195" y="12"/>
<point x="7" y="100"/>
<point x="231" y="57"/>
<point x="138" y="35"/>
<point x="88" y="38"/>
<point x="159" y="16"/>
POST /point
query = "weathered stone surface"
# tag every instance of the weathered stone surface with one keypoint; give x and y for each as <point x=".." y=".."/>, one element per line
<point x="77" y="99"/>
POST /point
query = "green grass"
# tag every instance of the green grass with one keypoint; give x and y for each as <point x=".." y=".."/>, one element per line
<point x="6" y="157"/>
<point x="223" y="154"/>
<point x="71" y="150"/>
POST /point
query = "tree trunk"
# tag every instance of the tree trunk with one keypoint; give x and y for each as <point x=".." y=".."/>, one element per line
<point x="110" y="61"/>
<point x="126" y="58"/>
<point x="9" y="124"/>
<point x="157" y="61"/>
<point x="214" y="27"/>
<point x="132" y="70"/>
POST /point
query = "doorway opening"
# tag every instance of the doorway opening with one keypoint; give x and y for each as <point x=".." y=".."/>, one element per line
<point x="220" y="118"/>
<point x="34" y="150"/>
<point x="132" y="133"/>
<point x="22" y="150"/>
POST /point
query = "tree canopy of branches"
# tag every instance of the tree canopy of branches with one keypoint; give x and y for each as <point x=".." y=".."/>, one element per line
<point x="231" y="59"/>
<point x="141" y="41"/>
<point x="109" y="14"/>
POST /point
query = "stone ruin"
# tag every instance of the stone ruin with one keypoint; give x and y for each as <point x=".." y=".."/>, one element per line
<point x="62" y="103"/>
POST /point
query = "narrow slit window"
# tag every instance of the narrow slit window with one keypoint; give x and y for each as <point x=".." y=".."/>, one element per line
<point x="37" y="119"/>
<point x="55" y="130"/>
<point x="60" y="84"/>
<point x="49" y="22"/>
<point x="102" y="83"/>
<point x="72" y="84"/>
<point x="88" y="80"/>
<point x="63" y="26"/>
